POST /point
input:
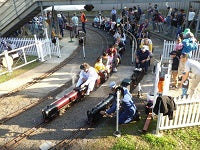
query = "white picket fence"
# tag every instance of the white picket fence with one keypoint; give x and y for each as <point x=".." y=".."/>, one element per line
<point x="21" y="42"/>
<point x="187" y="114"/>
<point x="27" y="47"/>
<point x="170" y="45"/>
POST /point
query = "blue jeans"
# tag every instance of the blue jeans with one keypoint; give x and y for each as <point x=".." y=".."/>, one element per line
<point x="184" y="91"/>
<point x="83" y="27"/>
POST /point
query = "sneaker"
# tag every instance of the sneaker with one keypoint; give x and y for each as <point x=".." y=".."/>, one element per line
<point x="114" y="69"/>
<point x="87" y="93"/>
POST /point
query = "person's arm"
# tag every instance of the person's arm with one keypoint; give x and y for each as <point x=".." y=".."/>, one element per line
<point x="184" y="77"/>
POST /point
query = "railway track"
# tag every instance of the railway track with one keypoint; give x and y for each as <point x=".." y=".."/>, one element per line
<point x="39" y="79"/>
<point x="15" y="141"/>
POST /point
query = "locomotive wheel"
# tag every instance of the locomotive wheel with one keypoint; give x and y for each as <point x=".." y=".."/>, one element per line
<point x="10" y="61"/>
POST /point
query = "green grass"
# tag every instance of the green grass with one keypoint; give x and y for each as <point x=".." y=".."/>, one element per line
<point x="17" y="72"/>
<point x="131" y="139"/>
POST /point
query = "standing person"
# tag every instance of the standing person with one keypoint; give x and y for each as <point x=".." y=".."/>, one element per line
<point x="175" y="65"/>
<point x="114" y="14"/>
<point x="191" y="66"/>
<point x="185" y="86"/>
<point x="128" y="111"/>
<point x="168" y="18"/>
<point x="87" y="77"/>
<point x="61" y="24"/>
<point x="83" y="20"/>
<point x="75" y="25"/>
<point x="191" y="16"/>
<point x="150" y="11"/>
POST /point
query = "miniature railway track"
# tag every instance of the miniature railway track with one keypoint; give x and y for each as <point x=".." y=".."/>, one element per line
<point x="15" y="141"/>
<point x="81" y="132"/>
<point x="37" y="80"/>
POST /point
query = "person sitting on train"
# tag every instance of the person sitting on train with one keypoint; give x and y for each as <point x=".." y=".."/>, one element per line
<point x="113" y="57"/>
<point x="142" y="58"/>
<point x="105" y="61"/>
<point x="128" y="111"/>
<point x="148" y="42"/>
<point x="101" y="68"/>
<point x="87" y="77"/>
<point x="121" y="46"/>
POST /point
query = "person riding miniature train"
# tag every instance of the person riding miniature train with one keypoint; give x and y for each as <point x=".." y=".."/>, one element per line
<point x="142" y="58"/>
<point x="101" y="69"/>
<point x="128" y="111"/>
<point x="87" y="77"/>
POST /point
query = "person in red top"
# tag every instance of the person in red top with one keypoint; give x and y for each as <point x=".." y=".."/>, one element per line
<point x="83" y="20"/>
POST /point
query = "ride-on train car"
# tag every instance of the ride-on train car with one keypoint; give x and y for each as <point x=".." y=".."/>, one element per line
<point x="77" y="93"/>
<point x="94" y="114"/>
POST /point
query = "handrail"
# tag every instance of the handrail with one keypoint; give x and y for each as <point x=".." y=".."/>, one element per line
<point x="134" y="44"/>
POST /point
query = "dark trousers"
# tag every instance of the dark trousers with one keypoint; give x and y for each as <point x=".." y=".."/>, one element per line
<point x="83" y="27"/>
<point x="143" y="65"/>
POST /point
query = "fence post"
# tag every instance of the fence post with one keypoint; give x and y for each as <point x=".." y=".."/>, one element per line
<point x="58" y="47"/>
<point x="132" y="51"/>
<point x="158" y="120"/>
<point x="9" y="66"/>
<point x="48" y="42"/>
<point x="117" y="133"/>
<point x="25" y="60"/>
<point x="39" y="49"/>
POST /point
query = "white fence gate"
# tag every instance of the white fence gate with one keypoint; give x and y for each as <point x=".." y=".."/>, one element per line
<point x="27" y="46"/>
<point x="170" y="45"/>
<point x="187" y="114"/>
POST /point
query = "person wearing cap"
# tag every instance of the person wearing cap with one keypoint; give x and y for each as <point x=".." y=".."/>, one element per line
<point x="75" y="25"/>
<point x="175" y="64"/>
<point x="192" y="68"/>
<point x="61" y="24"/>
<point x="142" y="58"/>
<point x="189" y="43"/>
<point x="87" y="77"/>
<point x="128" y="111"/>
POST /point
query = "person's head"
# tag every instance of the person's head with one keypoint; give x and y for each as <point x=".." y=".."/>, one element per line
<point x="144" y="48"/>
<point x="74" y="14"/>
<point x="146" y="41"/>
<point x="184" y="57"/>
<point x="178" y="40"/>
<point x="85" y="67"/>
<point x="99" y="59"/>
<point x="112" y="85"/>
<point x="105" y="54"/>
<point x="173" y="54"/>
<point x="189" y="35"/>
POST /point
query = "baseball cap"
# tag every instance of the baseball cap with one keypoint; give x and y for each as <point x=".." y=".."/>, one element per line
<point x="187" y="30"/>
<point x="112" y="84"/>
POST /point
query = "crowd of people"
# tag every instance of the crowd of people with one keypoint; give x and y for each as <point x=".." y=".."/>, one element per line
<point x="183" y="67"/>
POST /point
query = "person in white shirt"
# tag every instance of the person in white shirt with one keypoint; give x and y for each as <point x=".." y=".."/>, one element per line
<point x="87" y="77"/>
<point x="75" y="25"/>
<point x="191" y="16"/>
<point x="193" y="67"/>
